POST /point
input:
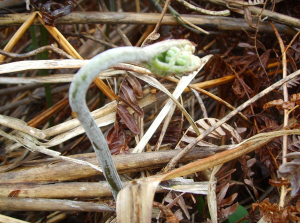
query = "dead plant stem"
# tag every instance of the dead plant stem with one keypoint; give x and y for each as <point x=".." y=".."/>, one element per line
<point x="204" y="11"/>
<point x="151" y="36"/>
<point x="286" y="115"/>
<point x="220" y="23"/>
<point x="200" y="101"/>
<point x="35" y="52"/>
<point x="88" y="36"/>
<point x="272" y="16"/>
<point x="294" y="38"/>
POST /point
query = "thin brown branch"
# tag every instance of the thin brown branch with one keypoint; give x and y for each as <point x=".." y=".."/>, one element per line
<point x="88" y="36"/>
<point x="37" y="51"/>
<point x="118" y="30"/>
<point x="123" y="36"/>
<point x="36" y="96"/>
<point x="204" y="11"/>
<point x="153" y="35"/>
<point x="21" y="88"/>
<point x="200" y="101"/>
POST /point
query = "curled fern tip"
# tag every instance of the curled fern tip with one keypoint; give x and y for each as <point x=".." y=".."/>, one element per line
<point x="176" y="60"/>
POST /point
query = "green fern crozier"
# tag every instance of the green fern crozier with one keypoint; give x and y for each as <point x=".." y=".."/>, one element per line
<point x="175" y="61"/>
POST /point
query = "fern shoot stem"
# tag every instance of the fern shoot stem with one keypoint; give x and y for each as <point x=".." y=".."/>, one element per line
<point x="176" y="61"/>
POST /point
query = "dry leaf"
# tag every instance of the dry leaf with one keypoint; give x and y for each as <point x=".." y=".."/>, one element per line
<point x="277" y="103"/>
<point x="127" y="95"/>
<point x="295" y="98"/>
<point x="52" y="10"/>
<point x="291" y="170"/>
<point x="128" y="119"/>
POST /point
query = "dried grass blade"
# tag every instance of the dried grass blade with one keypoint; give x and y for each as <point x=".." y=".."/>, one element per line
<point x="22" y="126"/>
<point x="186" y="186"/>
<point x="211" y="195"/>
<point x="32" y="144"/>
<point x="62" y="78"/>
<point x="164" y="127"/>
<point x="72" y="128"/>
<point x="7" y="219"/>
<point x="68" y="125"/>
<point x="41" y="64"/>
<point x="133" y="200"/>
<point x="56" y="78"/>
<point x="60" y="39"/>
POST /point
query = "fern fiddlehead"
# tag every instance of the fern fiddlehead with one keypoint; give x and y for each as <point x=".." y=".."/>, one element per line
<point x="163" y="58"/>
